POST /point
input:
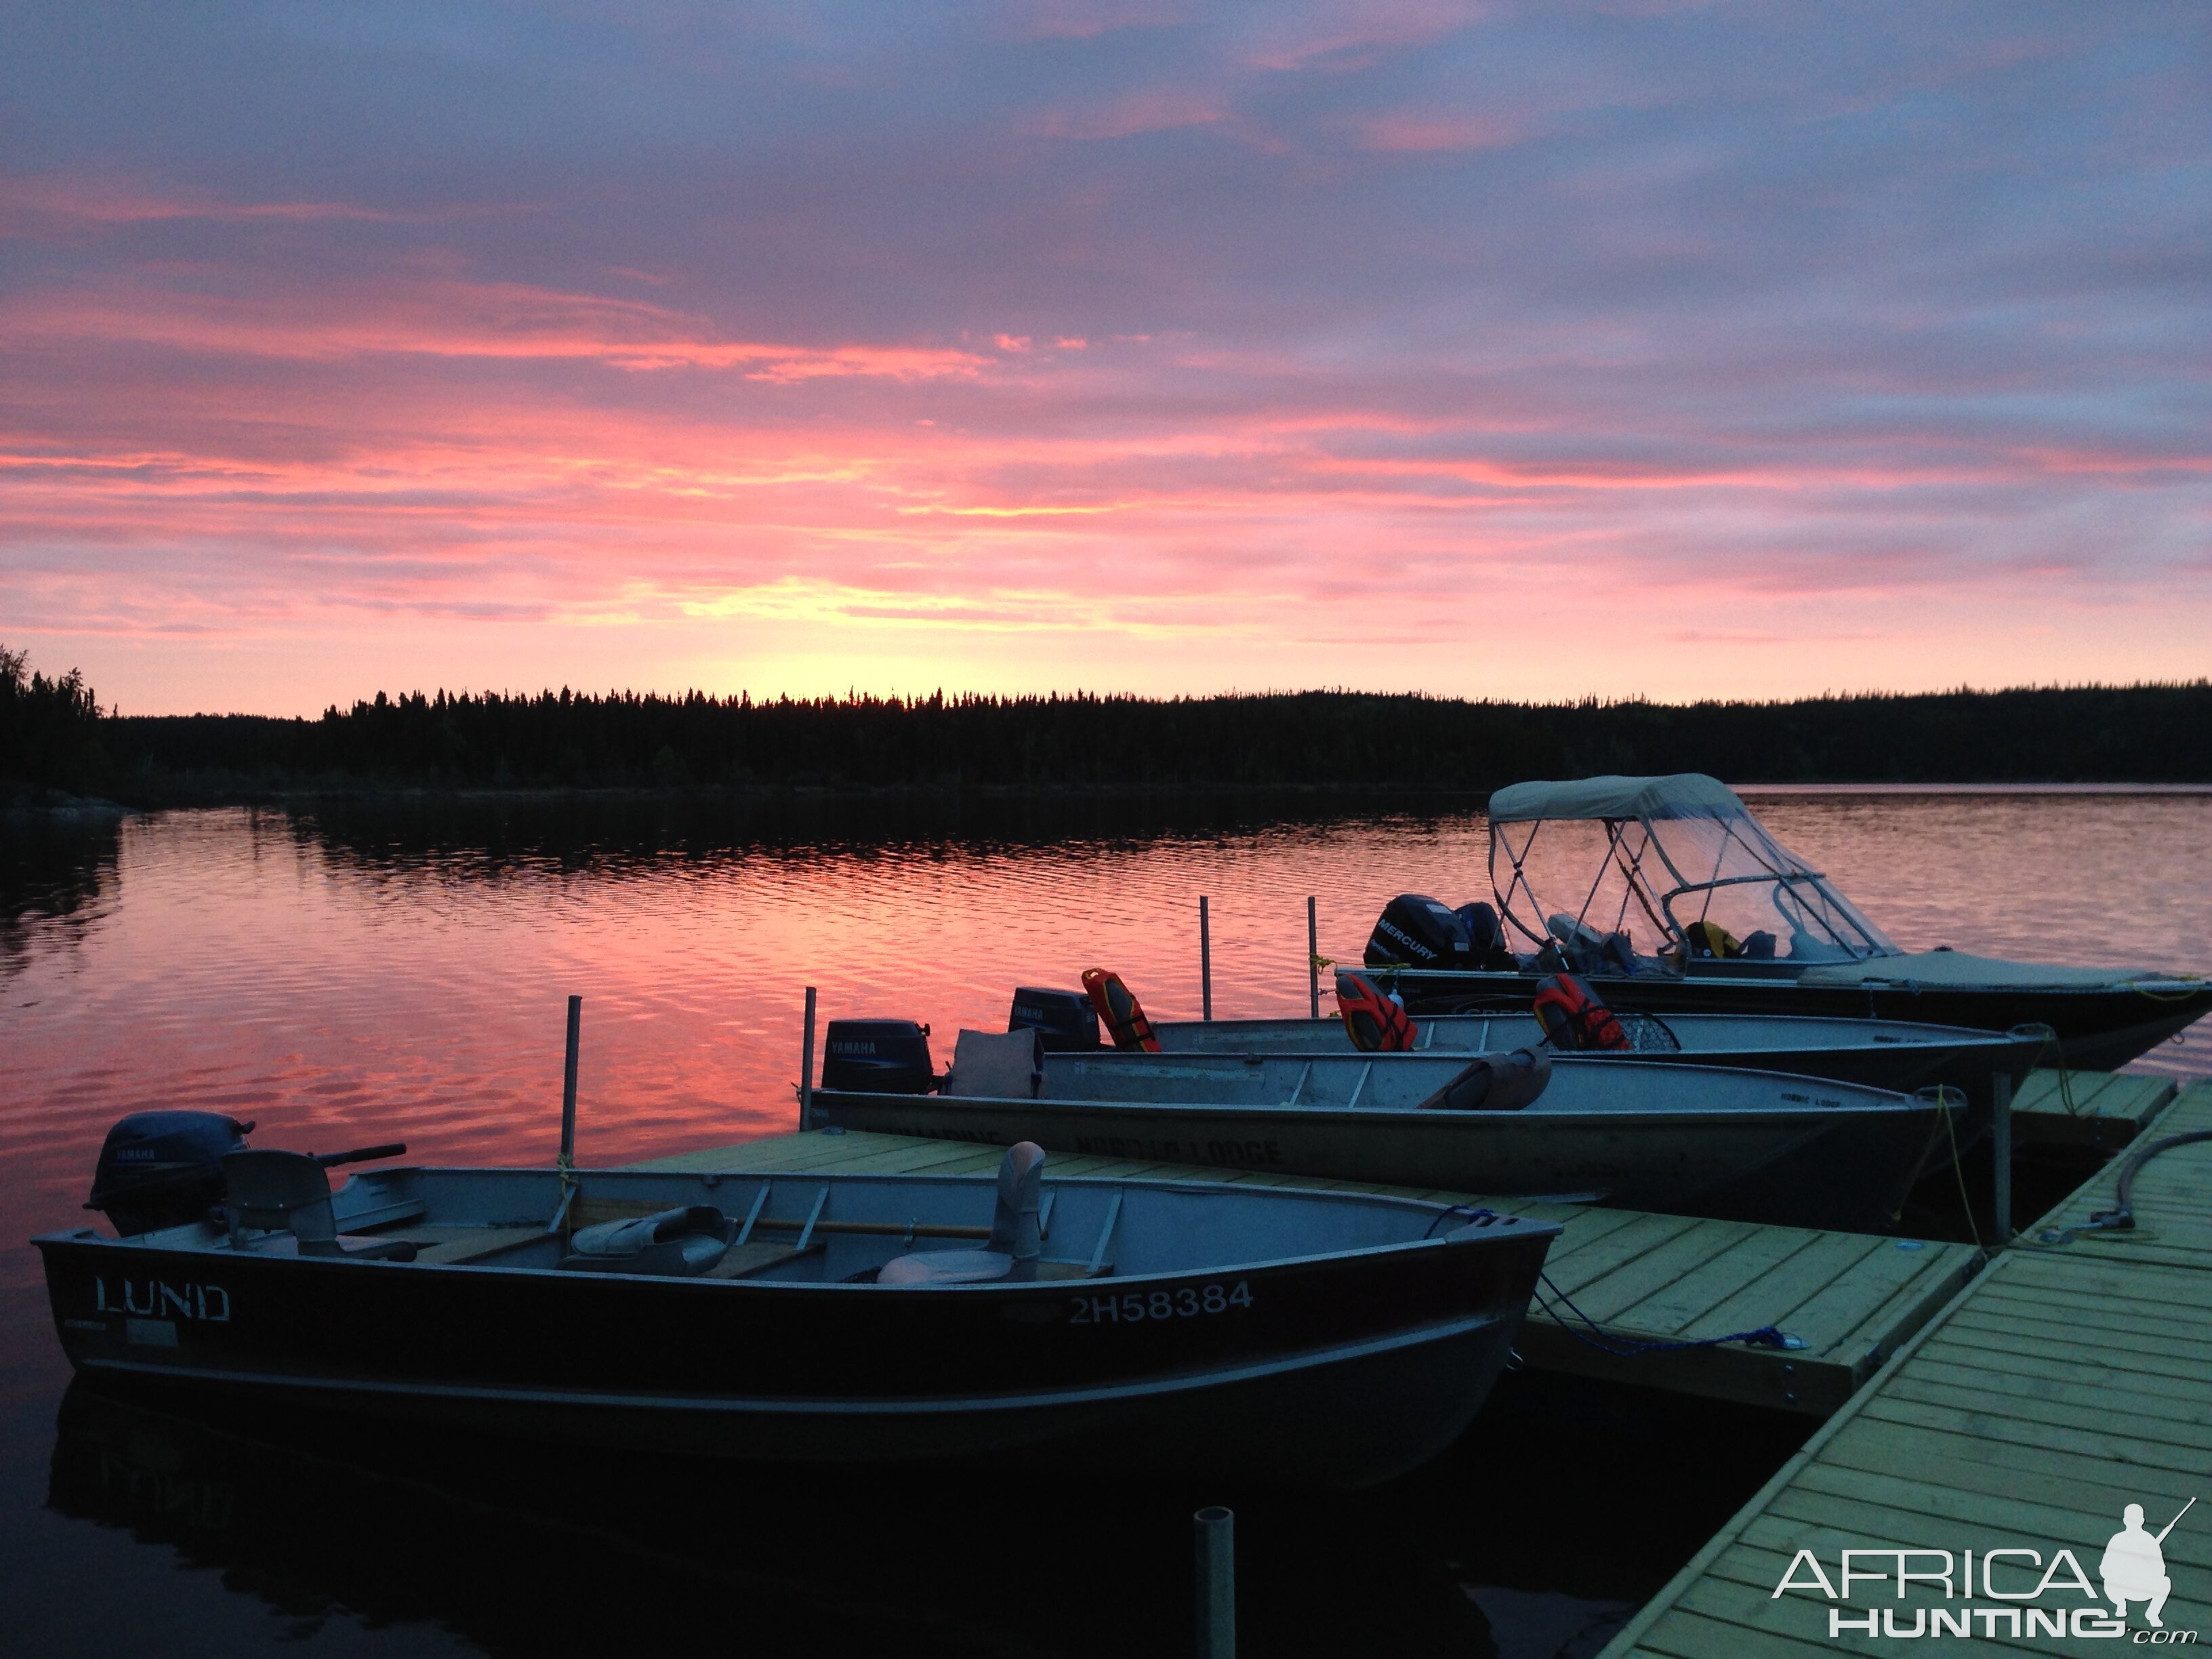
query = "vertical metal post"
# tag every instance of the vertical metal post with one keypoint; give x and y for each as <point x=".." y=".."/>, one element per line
<point x="1313" y="958"/>
<point x="2000" y="1153"/>
<point x="1214" y="1531"/>
<point x="1205" y="962"/>
<point x="568" y="1085"/>
<point x="806" y="1069"/>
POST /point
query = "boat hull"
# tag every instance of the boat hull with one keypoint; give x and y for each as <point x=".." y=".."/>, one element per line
<point x="1847" y="1167"/>
<point x="1336" y="1371"/>
<point x="2098" y="1028"/>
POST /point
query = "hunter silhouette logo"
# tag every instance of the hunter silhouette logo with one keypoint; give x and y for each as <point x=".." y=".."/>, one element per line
<point x="2010" y="1593"/>
<point x="2133" y="1567"/>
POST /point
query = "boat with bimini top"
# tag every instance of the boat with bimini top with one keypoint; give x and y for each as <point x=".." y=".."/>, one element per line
<point x="1671" y="897"/>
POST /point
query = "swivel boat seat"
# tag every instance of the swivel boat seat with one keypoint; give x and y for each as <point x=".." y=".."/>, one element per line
<point x="289" y="1192"/>
<point x="1012" y="1250"/>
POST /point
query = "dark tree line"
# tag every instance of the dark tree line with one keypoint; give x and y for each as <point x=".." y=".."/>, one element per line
<point x="50" y="729"/>
<point x="2141" y="733"/>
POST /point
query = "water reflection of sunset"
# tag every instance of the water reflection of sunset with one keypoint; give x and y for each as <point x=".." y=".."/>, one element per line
<point x="366" y="981"/>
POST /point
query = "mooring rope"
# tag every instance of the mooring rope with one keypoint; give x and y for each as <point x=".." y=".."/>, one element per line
<point x="1632" y="1347"/>
<point x="1474" y="1212"/>
<point x="2052" y="1049"/>
<point x="1958" y="1169"/>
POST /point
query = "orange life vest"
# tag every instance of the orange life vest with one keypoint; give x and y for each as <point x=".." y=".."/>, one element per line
<point x="1122" y="1014"/>
<point x="1574" y="1017"/>
<point x="1378" y="1023"/>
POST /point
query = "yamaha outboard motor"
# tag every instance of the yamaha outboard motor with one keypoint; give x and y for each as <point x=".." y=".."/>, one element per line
<point x="1416" y="931"/>
<point x="1066" y="1018"/>
<point x="878" y="1056"/>
<point x="163" y="1168"/>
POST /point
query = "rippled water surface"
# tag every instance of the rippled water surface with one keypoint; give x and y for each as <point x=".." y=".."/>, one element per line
<point x="398" y="974"/>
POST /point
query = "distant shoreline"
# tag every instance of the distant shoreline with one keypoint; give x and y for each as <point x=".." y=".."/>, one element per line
<point x="1768" y="791"/>
<point x="1381" y="800"/>
<point x="1304" y="746"/>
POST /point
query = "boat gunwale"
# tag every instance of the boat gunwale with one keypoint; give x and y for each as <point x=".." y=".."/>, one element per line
<point x="1889" y="1101"/>
<point x="1938" y="1037"/>
<point x="1899" y="1106"/>
<point x="1740" y="975"/>
<point x="1473" y="1234"/>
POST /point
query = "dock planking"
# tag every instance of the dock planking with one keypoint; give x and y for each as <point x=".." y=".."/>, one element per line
<point x="1850" y="1298"/>
<point x="2093" y="1111"/>
<point x="2069" y="1381"/>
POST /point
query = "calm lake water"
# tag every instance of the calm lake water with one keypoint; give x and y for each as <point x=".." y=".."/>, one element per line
<point x="364" y="974"/>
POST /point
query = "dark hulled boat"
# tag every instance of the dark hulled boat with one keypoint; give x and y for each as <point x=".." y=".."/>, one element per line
<point x="1674" y="899"/>
<point x="1303" y="1338"/>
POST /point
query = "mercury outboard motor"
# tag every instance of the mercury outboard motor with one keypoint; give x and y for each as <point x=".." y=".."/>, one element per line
<point x="1066" y="1018"/>
<point x="877" y="1057"/>
<point x="1416" y="931"/>
<point x="163" y="1168"/>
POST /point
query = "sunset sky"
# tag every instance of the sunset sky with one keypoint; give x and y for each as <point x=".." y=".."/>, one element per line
<point x="1543" y="350"/>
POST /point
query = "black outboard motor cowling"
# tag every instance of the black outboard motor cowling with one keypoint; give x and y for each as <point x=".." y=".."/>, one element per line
<point x="163" y="1168"/>
<point x="1487" y="946"/>
<point x="1065" y="1019"/>
<point x="1415" y="931"/>
<point x="878" y="1057"/>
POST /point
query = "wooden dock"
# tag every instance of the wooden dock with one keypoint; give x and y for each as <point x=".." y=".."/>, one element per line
<point x="2085" y="1111"/>
<point x="1849" y="1298"/>
<point x="2071" y="1379"/>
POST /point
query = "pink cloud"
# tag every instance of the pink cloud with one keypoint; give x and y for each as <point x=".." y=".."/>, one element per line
<point x="1405" y="132"/>
<point x="447" y="318"/>
<point x="1151" y="109"/>
<point x="24" y="201"/>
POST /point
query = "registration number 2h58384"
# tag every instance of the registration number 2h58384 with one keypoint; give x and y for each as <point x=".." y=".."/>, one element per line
<point x="1184" y="1302"/>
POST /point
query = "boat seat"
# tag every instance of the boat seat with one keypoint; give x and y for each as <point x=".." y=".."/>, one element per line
<point x="278" y="1191"/>
<point x="1493" y="1082"/>
<point x="1013" y="1248"/>
<point x="997" y="1065"/>
<point x="676" y="1244"/>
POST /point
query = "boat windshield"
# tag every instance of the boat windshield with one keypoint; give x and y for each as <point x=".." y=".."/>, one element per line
<point x="1679" y="874"/>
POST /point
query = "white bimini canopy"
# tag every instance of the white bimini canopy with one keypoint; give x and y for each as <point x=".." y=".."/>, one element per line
<point x="1678" y="795"/>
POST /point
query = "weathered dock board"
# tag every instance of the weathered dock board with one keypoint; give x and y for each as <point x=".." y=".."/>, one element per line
<point x="1852" y="1299"/>
<point x="2095" y="1111"/>
<point x="2065" y="1383"/>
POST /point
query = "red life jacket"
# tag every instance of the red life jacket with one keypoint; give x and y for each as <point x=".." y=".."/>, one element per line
<point x="1378" y="1023"/>
<point x="1122" y="1014"/>
<point x="1573" y="1016"/>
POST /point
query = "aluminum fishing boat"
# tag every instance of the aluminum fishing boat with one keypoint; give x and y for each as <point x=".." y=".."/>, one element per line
<point x="1309" y="1338"/>
<point x="1674" y="899"/>
<point x="1638" y="1133"/>
<point x="1881" y="1053"/>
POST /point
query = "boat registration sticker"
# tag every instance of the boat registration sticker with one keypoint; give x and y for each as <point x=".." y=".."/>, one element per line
<point x="1184" y="1302"/>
